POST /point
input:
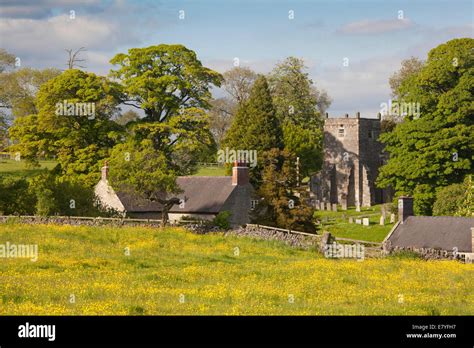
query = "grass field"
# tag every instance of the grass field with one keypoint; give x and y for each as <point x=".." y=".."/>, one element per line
<point x="211" y="171"/>
<point x="19" y="168"/>
<point x="176" y="272"/>
<point x="338" y="224"/>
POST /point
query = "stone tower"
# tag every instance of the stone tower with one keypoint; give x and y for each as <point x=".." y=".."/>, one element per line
<point x="352" y="157"/>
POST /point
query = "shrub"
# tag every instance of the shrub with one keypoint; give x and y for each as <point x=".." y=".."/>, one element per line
<point x="222" y="220"/>
<point x="15" y="198"/>
<point x="448" y="200"/>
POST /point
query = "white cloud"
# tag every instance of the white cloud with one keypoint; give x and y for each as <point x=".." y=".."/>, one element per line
<point x="361" y="86"/>
<point x="41" y="43"/>
<point x="376" y="27"/>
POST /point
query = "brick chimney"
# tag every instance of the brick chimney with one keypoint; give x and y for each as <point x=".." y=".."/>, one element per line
<point x="105" y="171"/>
<point x="405" y="208"/>
<point x="240" y="174"/>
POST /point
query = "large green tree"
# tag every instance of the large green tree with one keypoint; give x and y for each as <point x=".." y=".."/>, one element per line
<point x="164" y="79"/>
<point x="283" y="201"/>
<point x="436" y="148"/>
<point x="78" y="142"/>
<point x="299" y="105"/>
<point x="256" y="126"/>
<point x="18" y="89"/>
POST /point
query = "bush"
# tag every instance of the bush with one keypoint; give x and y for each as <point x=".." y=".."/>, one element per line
<point x="55" y="196"/>
<point x="423" y="199"/>
<point x="15" y="197"/>
<point x="222" y="220"/>
<point x="448" y="200"/>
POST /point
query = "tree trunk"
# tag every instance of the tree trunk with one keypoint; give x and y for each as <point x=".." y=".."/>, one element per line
<point x="167" y="205"/>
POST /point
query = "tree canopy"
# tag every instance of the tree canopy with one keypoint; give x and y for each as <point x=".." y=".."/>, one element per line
<point x="256" y="126"/>
<point x="164" y="79"/>
<point x="77" y="142"/>
<point x="435" y="149"/>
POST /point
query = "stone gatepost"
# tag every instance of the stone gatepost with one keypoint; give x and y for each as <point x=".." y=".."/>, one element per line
<point x="325" y="240"/>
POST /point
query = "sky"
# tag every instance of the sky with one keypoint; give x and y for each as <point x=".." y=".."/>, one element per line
<point x="351" y="47"/>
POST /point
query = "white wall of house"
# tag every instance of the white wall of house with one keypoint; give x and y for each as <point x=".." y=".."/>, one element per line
<point x="107" y="196"/>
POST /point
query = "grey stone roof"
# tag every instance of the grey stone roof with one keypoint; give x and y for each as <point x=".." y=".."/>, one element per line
<point x="435" y="232"/>
<point x="201" y="194"/>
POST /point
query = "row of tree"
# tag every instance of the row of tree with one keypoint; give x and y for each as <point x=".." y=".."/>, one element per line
<point x="279" y="118"/>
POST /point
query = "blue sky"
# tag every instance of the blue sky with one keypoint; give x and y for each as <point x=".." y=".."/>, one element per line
<point x="369" y="34"/>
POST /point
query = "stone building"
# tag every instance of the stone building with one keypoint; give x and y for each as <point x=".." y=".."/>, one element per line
<point x="352" y="157"/>
<point x="202" y="197"/>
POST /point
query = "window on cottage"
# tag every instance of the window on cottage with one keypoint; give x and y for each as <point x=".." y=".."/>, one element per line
<point x="253" y="203"/>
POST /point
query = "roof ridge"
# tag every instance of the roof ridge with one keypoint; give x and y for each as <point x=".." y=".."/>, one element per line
<point x="205" y="176"/>
<point x="442" y="216"/>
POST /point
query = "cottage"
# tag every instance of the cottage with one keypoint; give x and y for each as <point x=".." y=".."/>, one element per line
<point x="203" y="197"/>
<point x="443" y="233"/>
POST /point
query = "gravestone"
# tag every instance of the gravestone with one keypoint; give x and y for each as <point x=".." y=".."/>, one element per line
<point x="344" y="204"/>
<point x="382" y="220"/>
<point x="365" y="221"/>
<point x="321" y="205"/>
<point x="392" y="218"/>
<point x="359" y="221"/>
<point x="351" y="220"/>
<point x="357" y="207"/>
<point x="328" y="206"/>
<point x="384" y="213"/>
<point x="334" y="207"/>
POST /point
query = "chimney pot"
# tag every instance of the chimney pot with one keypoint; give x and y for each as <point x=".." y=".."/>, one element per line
<point x="379" y="116"/>
<point x="358" y="114"/>
<point x="327" y="114"/>
<point x="240" y="174"/>
<point x="105" y="171"/>
<point x="347" y="115"/>
<point x="405" y="208"/>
